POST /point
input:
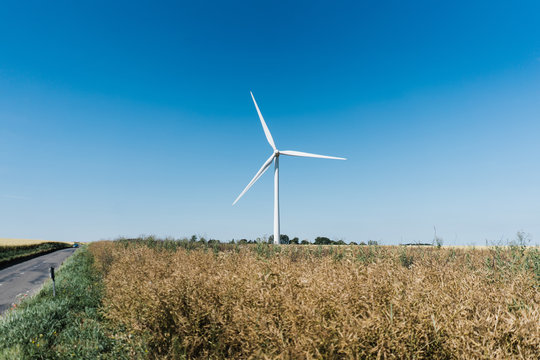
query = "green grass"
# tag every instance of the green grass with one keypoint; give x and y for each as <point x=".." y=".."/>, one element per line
<point x="13" y="253"/>
<point x="69" y="326"/>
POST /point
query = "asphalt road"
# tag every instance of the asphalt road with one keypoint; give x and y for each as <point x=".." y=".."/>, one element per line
<point x="28" y="277"/>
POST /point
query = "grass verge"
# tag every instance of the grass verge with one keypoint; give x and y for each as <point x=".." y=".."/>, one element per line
<point x="68" y="326"/>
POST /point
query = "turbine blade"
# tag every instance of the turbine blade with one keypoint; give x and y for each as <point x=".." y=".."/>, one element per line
<point x="265" y="128"/>
<point x="304" y="154"/>
<point x="259" y="173"/>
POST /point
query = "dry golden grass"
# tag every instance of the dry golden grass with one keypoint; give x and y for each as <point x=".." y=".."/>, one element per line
<point x="20" y="242"/>
<point x="26" y="242"/>
<point x="15" y="250"/>
<point x="308" y="302"/>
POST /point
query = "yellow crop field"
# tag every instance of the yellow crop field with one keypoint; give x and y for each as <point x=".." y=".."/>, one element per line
<point x="20" y="242"/>
<point x="24" y="242"/>
<point x="309" y="302"/>
<point x="13" y="250"/>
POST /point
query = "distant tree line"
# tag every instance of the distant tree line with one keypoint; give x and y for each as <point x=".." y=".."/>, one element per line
<point x="195" y="241"/>
<point x="286" y="240"/>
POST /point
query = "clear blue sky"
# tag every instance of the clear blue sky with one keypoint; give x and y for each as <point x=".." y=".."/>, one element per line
<point x="129" y="118"/>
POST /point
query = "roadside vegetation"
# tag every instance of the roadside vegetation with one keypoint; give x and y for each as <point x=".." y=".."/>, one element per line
<point x="13" y="251"/>
<point x="68" y="326"/>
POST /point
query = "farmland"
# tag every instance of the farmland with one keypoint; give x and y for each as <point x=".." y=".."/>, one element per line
<point x="12" y="250"/>
<point x="20" y="242"/>
<point x="263" y="301"/>
<point x="153" y="299"/>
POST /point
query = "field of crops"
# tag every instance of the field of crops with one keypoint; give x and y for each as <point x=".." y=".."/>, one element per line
<point x="13" y="250"/>
<point x="19" y="242"/>
<point x="302" y="302"/>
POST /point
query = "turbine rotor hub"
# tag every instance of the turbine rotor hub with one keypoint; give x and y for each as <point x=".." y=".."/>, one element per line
<point x="276" y="153"/>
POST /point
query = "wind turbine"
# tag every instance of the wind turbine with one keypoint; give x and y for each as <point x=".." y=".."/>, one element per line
<point x="275" y="158"/>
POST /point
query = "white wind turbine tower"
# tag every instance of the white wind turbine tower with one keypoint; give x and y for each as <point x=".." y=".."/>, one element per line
<point x="275" y="158"/>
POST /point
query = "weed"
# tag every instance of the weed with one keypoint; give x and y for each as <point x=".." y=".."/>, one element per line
<point x="405" y="259"/>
